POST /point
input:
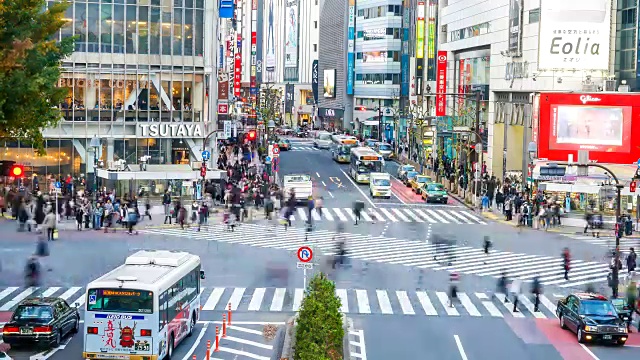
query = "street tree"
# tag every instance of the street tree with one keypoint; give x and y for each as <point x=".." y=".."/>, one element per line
<point x="269" y="106"/>
<point x="30" y="59"/>
<point x="319" y="329"/>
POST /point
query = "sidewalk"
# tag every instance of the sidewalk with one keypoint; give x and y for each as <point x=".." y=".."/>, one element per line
<point x="156" y="222"/>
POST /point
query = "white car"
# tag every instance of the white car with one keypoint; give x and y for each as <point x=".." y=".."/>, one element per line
<point x="380" y="185"/>
<point x="300" y="184"/>
<point x="322" y="140"/>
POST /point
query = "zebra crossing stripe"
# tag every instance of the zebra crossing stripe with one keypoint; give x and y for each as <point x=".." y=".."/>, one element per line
<point x="213" y="299"/>
<point x="385" y="303"/>
<point x="363" y="302"/>
<point x="351" y="214"/>
<point x="529" y="305"/>
<point x="67" y="294"/>
<point x="389" y="215"/>
<point x="302" y="214"/>
<point x="315" y="215"/>
<point x="365" y="216"/>
<point x="491" y="308"/>
<point x="256" y="299"/>
<point x="473" y="217"/>
<point x="455" y="214"/>
<point x="425" y="216"/>
<point x="405" y="303"/>
<point x="448" y="216"/>
<point x="426" y="304"/>
<point x="298" y="295"/>
<point x="13" y="302"/>
<point x="50" y="291"/>
<point x="444" y="301"/>
<point x="509" y="306"/>
<point x="468" y="305"/>
<point x="413" y="216"/>
<point x="340" y="215"/>
<point x="6" y="292"/>
<point x="80" y="300"/>
<point x="278" y="299"/>
<point x="326" y="213"/>
<point x="342" y="295"/>
<point x="236" y="297"/>
<point x="400" y="215"/>
<point x="437" y="216"/>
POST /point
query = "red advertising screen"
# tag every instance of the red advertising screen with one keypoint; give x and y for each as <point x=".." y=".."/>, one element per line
<point x="606" y="125"/>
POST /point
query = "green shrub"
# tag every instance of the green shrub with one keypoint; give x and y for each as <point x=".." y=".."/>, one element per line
<point x="319" y="330"/>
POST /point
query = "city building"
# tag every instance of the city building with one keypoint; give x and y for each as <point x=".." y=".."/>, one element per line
<point x="288" y="51"/>
<point x="507" y="50"/>
<point x="136" y="81"/>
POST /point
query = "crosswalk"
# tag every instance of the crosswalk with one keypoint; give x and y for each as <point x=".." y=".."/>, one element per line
<point x="607" y="241"/>
<point x="353" y="301"/>
<point x="394" y="215"/>
<point x="410" y="253"/>
<point x="304" y="148"/>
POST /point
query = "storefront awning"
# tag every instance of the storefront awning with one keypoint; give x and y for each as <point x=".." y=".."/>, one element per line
<point x="590" y="184"/>
<point x="371" y="122"/>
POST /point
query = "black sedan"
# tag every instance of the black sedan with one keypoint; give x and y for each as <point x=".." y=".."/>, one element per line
<point x="592" y="317"/>
<point x="41" y="321"/>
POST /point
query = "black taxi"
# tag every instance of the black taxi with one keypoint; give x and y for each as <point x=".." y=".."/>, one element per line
<point x="43" y="321"/>
<point x="592" y="317"/>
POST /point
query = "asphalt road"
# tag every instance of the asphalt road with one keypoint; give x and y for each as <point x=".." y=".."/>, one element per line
<point x="393" y="288"/>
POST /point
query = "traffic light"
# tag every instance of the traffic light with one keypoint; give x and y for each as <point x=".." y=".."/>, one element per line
<point x="5" y="167"/>
<point x="17" y="171"/>
<point x="203" y="171"/>
<point x="251" y="135"/>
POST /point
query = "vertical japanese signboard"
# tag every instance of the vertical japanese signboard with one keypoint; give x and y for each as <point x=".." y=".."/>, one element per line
<point x="351" y="47"/>
<point x="420" y="47"/>
<point x="461" y="86"/>
<point x="432" y="14"/>
<point x="441" y="98"/>
<point x="237" y="70"/>
<point x="253" y="83"/>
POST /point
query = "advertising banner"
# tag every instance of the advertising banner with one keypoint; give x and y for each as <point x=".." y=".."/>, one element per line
<point x="461" y="85"/>
<point x="223" y="85"/>
<point x="270" y="56"/>
<point x="404" y="59"/>
<point x="289" y="98"/>
<point x="574" y="38"/>
<point x="329" y="82"/>
<point x="515" y="27"/>
<point x="351" y="46"/>
<point x="420" y="31"/>
<point x="432" y="14"/>
<point x="226" y="9"/>
<point x="599" y="123"/>
<point x="260" y="40"/>
<point x="441" y="88"/>
<point x="291" y="35"/>
<point x="237" y="71"/>
<point x="254" y="49"/>
<point x="314" y="80"/>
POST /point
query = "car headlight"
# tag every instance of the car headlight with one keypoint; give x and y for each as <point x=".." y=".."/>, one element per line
<point x="591" y="328"/>
<point x="622" y="329"/>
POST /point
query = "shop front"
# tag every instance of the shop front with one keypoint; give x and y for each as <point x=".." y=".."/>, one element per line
<point x="331" y="119"/>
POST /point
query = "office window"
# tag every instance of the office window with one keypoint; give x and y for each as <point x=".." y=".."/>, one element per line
<point x="534" y="16"/>
<point x="315" y="47"/>
<point x="315" y="24"/>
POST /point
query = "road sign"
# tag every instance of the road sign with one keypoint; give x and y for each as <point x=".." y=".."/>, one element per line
<point x="632" y="186"/>
<point x="58" y="185"/>
<point x="276" y="151"/>
<point x="307" y="266"/>
<point x="223" y="108"/>
<point x="305" y="254"/>
<point x="206" y="155"/>
<point x="275" y="164"/>
<point x="267" y="159"/>
<point x="270" y="150"/>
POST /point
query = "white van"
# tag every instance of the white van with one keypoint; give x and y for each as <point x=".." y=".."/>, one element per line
<point x="380" y="185"/>
<point x="322" y="140"/>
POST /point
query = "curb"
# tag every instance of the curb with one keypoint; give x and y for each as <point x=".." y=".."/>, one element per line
<point x="289" y="338"/>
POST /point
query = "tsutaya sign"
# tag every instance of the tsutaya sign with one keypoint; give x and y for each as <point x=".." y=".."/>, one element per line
<point x="187" y="130"/>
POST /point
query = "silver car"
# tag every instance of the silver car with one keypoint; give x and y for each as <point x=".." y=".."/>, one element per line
<point x="385" y="150"/>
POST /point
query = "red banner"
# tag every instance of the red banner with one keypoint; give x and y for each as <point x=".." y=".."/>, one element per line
<point x="237" y="72"/>
<point x="441" y="86"/>
<point x="461" y="86"/>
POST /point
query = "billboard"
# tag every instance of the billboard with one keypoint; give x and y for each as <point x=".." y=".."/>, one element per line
<point x="432" y="14"/>
<point x="441" y="84"/>
<point x="515" y="27"/>
<point x="314" y="81"/>
<point x="574" y="39"/>
<point x="351" y="46"/>
<point x="329" y="83"/>
<point x="291" y="35"/>
<point x="420" y="31"/>
<point x="599" y="123"/>
<point x="270" y="56"/>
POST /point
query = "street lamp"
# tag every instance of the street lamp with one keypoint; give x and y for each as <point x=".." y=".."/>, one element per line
<point x="95" y="145"/>
<point x="270" y="126"/>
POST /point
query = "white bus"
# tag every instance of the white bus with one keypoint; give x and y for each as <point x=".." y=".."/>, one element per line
<point x="341" y="148"/>
<point x="364" y="161"/>
<point x="143" y="308"/>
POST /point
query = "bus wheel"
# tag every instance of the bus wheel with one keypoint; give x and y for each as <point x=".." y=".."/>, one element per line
<point x="170" y="348"/>
<point x="193" y="324"/>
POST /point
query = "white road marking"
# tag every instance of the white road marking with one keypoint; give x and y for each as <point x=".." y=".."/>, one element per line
<point x="463" y="355"/>
<point x="213" y="299"/>
<point x="426" y="303"/>
<point x="444" y="300"/>
<point x="330" y="194"/>
<point x="297" y="299"/>
<point x="256" y="299"/>
<point x="324" y="184"/>
<point x="491" y="308"/>
<point x="23" y="295"/>
<point x="67" y="294"/>
<point x="468" y="305"/>
<point x="317" y="174"/>
<point x="383" y="301"/>
<point x="342" y="294"/>
<point x="236" y="297"/>
<point x="363" y="302"/>
<point x="278" y="299"/>
<point x="405" y="303"/>
<point x="197" y="342"/>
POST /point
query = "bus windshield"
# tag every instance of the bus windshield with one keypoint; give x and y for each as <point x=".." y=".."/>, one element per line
<point x="344" y="150"/>
<point x="120" y="301"/>
<point x="366" y="167"/>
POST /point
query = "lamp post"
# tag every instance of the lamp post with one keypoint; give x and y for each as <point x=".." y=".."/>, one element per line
<point x="95" y="145"/>
<point x="271" y="125"/>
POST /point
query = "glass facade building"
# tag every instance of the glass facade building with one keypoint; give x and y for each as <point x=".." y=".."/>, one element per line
<point x="135" y="62"/>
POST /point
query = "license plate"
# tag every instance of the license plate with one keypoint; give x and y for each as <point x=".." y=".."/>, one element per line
<point x="607" y="337"/>
<point x="26" y="331"/>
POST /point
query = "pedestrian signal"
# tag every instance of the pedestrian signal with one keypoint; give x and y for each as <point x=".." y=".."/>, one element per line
<point x="17" y="171"/>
